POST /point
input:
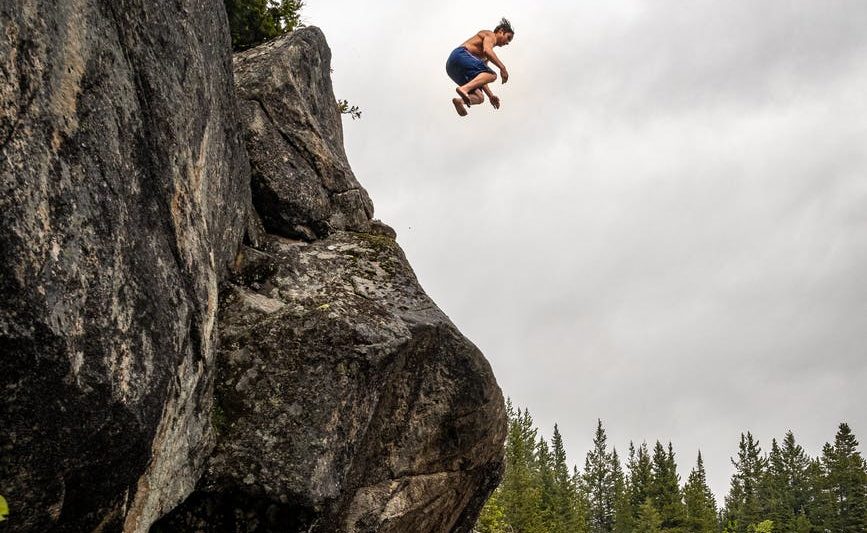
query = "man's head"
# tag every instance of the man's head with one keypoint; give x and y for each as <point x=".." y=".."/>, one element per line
<point x="504" y="32"/>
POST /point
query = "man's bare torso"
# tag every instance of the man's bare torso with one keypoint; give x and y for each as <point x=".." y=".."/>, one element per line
<point x="475" y="44"/>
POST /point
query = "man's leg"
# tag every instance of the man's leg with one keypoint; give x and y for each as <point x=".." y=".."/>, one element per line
<point x="483" y="78"/>
<point x="459" y="106"/>
<point x="476" y="97"/>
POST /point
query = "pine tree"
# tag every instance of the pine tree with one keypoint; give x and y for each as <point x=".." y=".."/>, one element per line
<point x="846" y="483"/>
<point x="255" y="21"/>
<point x="648" y="519"/>
<point x="773" y="493"/>
<point x="547" y="488"/>
<point x="565" y="492"/>
<point x="626" y="512"/>
<point x="581" y="502"/>
<point x="599" y="482"/>
<point x="623" y="521"/>
<point x="665" y="488"/>
<point x="492" y="519"/>
<point x="520" y="497"/>
<point x="743" y="504"/>
<point x="786" y="491"/>
<point x="783" y="492"/>
<point x="640" y="474"/>
<point x="701" y="513"/>
<point x="819" y="505"/>
<point x="796" y="465"/>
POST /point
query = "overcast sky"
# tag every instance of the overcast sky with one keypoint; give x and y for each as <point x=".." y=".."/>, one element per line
<point x="664" y="226"/>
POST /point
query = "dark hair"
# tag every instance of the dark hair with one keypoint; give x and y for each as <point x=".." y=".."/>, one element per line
<point x="504" y="25"/>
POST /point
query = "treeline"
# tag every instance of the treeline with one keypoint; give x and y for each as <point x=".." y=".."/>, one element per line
<point x="782" y="490"/>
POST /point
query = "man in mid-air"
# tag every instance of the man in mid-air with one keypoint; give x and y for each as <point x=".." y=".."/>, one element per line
<point x="468" y="67"/>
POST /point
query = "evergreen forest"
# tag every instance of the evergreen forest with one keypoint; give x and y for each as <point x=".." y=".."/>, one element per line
<point x="781" y="489"/>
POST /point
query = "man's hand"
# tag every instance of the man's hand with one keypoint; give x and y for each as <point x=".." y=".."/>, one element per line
<point x="495" y="101"/>
<point x="504" y="74"/>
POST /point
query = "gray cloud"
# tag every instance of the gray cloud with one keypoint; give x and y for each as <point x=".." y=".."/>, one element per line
<point x="664" y="226"/>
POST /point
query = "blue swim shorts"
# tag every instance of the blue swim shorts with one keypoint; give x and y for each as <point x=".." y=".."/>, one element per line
<point x="463" y="66"/>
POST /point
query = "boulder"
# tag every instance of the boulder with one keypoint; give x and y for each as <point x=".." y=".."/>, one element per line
<point x="345" y="399"/>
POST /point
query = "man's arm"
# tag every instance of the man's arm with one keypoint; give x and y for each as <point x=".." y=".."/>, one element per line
<point x="488" y="47"/>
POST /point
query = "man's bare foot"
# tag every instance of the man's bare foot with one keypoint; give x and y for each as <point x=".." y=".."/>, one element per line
<point x="464" y="96"/>
<point x="459" y="107"/>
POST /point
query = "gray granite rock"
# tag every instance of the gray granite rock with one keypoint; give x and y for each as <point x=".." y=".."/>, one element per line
<point x="124" y="193"/>
<point x="302" y="183"/>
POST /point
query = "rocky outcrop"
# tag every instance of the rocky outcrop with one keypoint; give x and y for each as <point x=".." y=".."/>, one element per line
<point x="302" y="183"/>
<point x="346" y="400"/>
<point x="124" y="194"/>
<point x="300" y="382"/>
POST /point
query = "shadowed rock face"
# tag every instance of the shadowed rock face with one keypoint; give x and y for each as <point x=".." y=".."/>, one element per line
<point x="123" y="193"/>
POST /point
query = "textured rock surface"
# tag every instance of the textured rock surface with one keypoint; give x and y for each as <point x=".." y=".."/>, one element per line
<point x="345" y="399"/>
<point x="302" y="183"/>
<point x="123" y="193"/>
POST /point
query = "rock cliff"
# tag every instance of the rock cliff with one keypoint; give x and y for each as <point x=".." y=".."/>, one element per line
<point x="124" y="195"/>
<point x="152" y="364"/>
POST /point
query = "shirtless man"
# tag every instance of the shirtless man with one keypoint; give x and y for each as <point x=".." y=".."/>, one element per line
<point x="467" y="66"/>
